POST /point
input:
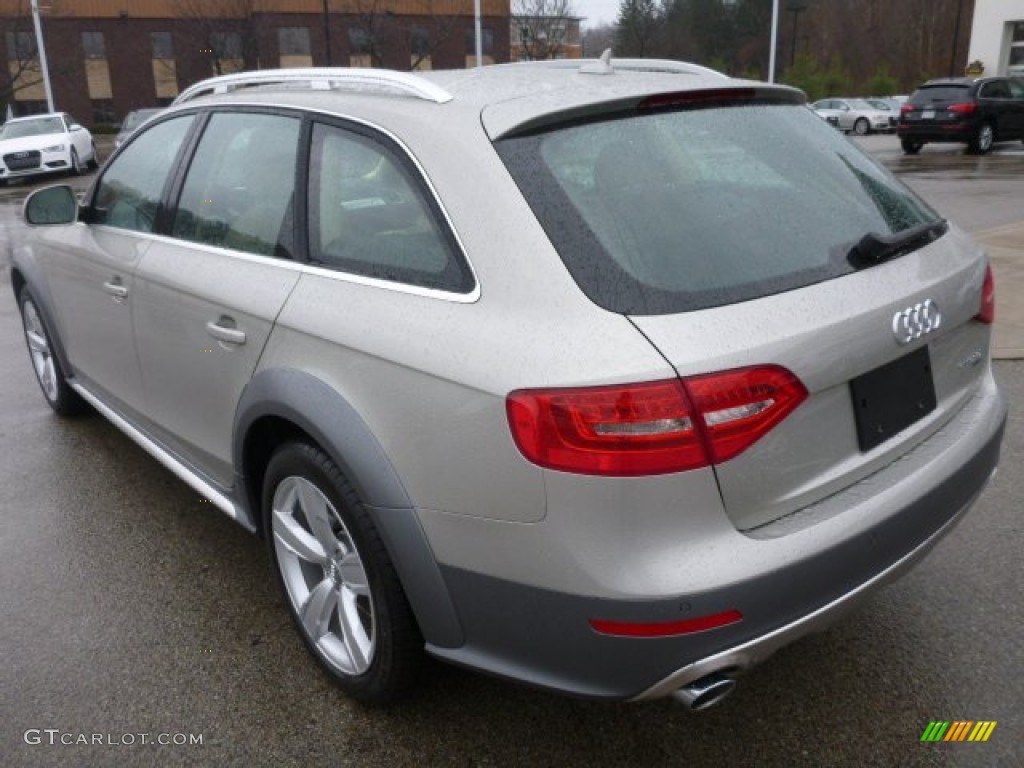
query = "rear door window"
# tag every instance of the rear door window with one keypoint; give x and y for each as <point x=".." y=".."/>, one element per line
<point x="674" y="211"/>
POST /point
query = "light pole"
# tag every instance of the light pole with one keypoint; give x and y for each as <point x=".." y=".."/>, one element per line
<point x="41" y="47"/>
<point x="775" y="40"/>
<point x="479" y="34"/>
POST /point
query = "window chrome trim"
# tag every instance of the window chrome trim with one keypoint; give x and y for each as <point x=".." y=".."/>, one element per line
<point x="300" y="266"/>
<point x="470" y="297"/>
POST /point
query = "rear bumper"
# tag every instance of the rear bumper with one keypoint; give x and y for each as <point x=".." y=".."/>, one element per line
<point x="949" y="132"/>
<point x="544" y="638"/>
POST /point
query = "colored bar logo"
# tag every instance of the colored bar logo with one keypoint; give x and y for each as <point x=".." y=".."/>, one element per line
<point x="958" y="730"/>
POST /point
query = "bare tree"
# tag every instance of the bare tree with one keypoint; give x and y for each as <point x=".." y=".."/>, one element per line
<point x="596" y="40"/>
<point x="228" y="30"/>
<point x="543" y="29"/>
<point x="637" y="28"/>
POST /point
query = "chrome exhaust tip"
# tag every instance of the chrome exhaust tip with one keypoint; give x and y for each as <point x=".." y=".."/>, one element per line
<point x="705" y="692"/>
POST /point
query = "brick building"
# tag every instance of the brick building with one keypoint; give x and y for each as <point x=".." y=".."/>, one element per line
<point x="107" y="57"/>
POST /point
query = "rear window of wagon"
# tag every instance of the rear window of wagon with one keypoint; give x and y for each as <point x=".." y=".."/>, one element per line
<point x="672" y="211"/>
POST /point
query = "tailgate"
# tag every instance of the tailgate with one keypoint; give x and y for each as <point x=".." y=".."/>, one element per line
<point x="870" y="387"/>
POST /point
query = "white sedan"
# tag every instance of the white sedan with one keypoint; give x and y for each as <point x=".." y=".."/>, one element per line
<point x="855" y="115"/>
<point x="41" y="144"/>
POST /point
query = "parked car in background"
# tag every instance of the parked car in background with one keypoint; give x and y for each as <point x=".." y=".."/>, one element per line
<point x="131" y="123"/>
<point x="890" y="107"/>
<point x="675" y="376"/>
<point x="42" y="144"/>
<point x="855" y="115"/>
<point x="977" y="112"/>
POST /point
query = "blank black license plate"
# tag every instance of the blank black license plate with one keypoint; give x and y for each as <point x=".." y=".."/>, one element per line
<point x="891" y="398"/>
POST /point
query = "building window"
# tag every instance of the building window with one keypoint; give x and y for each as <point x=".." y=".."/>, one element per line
<point x="1016" y="62"/>
<point x="165" y="69"/>
<point x="360" y="47"/>
<point x="97" y="71"/>
<point x="228" y="57"/>
<point x="419" y="49"/>
<point x="486" y="44"/>
<point x="293" y="47"/>
<point x="23" y="66"/>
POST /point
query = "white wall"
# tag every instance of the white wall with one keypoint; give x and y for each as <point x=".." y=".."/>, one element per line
<point x="990" y="35"/>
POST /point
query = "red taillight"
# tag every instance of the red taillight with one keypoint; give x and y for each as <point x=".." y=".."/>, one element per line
<point x="987" y="313"/>
<point x="907" y="108"/>
<point x="666" y="628"/>
<point x="962" y="109"/>
<point x="652" y="428"/>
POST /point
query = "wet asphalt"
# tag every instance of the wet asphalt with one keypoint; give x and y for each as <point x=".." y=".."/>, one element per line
<point x="131" y="611"/>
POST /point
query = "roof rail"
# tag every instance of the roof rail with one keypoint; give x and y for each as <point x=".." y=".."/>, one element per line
<point x="608" y="65"/>
<point x="320" y="78"/>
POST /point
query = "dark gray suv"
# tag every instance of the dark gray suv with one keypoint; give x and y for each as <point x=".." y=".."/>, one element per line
<point x="976" y="112"/>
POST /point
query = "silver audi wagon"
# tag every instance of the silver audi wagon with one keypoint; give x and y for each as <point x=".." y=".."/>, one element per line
<point x="609" y="377"/>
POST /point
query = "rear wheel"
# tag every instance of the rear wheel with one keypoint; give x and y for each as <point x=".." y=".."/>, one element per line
<point x="61" y="397"/>
<point x="983" y="139"/>
<point x="861" y="127"/>
<point x="911" y="147"/>
<point x="342" y="589"/>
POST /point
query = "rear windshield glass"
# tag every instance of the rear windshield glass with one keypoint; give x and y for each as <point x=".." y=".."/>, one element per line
<point x="674" y="211"/>
<point x="936" y="93"/>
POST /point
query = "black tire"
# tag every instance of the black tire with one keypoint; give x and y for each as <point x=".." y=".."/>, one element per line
<point x="982" y="140"/>
<point x="862" y="127"/>
<point x="94" y="161"/>
<point x="46" y="365"/>
<point x="76" y="163"/>
<point x="359" y="562"/>
<point x="910" y="146"/>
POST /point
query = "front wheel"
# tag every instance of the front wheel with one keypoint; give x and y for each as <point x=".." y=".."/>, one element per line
<point x="94" y="161"/>
<point x="911" y="147"/>
<point x="984" y="138"/>
<point x="341" y="586"/>
<point x="76" y="163"/>
<point x="61" y="397"/>
<point x="861" y="127"/>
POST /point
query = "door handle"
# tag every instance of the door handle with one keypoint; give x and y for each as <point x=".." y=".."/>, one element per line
<point x="115" y="288"/>
<point x="224" y="330"/>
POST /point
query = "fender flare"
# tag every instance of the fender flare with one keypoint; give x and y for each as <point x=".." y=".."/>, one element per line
<point x="321" y="412"/>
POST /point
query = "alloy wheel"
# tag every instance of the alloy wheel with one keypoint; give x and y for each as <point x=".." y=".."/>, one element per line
<point x="324" y="576"/>
<point x="39" y="350"/>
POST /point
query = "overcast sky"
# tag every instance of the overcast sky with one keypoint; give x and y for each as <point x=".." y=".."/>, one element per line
<point x="597" y="11"/>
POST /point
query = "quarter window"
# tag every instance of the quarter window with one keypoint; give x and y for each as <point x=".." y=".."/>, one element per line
<point x="128" y="195"/>
<point x="239" y="191"/>
<point x="369" y="215"/>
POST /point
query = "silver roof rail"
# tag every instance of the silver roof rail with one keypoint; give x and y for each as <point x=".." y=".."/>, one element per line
<point x="320" y="78"/>
<point x="606" y="65"/>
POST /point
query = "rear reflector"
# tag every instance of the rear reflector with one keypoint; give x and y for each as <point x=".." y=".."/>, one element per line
<point x="666" y="628"/>
<point x="907" y="108"/>
<point x="987" y="313"/>
<point x="652" y="428"/>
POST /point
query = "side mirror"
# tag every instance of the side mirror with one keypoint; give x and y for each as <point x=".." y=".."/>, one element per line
<point x="74" y="127"/>
<point x="52" y="205"/>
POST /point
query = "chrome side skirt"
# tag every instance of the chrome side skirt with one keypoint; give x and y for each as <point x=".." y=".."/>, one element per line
<point x="222" y="502"/>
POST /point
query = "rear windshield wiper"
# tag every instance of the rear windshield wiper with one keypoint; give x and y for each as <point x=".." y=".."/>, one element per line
<point x="873" y="248"/>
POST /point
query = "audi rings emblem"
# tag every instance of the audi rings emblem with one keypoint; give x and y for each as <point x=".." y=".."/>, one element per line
<point x="916" y="321"/>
